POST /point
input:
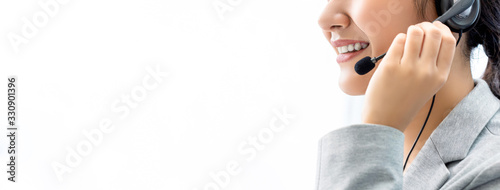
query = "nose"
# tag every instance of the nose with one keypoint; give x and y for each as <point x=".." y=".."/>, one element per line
<point x="333" y="18"/>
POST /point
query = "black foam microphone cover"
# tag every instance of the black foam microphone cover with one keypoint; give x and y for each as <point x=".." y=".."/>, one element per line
<point x="364" y="65"/>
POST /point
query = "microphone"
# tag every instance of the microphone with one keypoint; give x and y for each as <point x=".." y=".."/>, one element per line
<point x="367" y="64"/>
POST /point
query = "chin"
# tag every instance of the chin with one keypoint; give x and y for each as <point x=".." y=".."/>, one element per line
<point x="353" y="84"/>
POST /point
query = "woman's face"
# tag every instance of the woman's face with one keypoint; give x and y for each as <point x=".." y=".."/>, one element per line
<point x="371" y="23"/>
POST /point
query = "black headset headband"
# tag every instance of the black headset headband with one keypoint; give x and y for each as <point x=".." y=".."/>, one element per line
<point x="457" y="23"/>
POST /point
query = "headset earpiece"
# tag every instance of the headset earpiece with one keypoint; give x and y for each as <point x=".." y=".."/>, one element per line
<point x="463" y="22"/>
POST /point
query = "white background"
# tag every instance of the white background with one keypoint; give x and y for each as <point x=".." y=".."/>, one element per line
<point x="228" y="72"/>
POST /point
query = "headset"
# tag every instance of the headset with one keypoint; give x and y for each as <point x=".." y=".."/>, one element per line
<point x="459" y="15"/>
<point x="462" y="22"/>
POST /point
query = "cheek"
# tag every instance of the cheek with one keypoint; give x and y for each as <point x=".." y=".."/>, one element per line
<point x="381" y="21"/>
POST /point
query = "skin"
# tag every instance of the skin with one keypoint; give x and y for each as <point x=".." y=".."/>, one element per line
<point x="421" y="61"/>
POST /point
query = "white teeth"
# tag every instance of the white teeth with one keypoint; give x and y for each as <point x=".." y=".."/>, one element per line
<point x="352" y="47"/>
<point x="357" y="46"/>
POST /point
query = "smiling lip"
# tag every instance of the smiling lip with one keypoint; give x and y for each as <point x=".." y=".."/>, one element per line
<point x="344" y="57"/>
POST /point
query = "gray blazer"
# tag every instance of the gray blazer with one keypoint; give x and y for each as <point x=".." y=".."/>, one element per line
<point x="463" y="152"/>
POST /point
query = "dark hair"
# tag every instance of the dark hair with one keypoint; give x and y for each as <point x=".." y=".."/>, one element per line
<point x="485" y="33"/>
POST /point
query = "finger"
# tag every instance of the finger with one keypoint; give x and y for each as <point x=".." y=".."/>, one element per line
<point x="396" y="50"/>
<point x="414" y="37"/>
<point x="447" y="50"/>
<point x="431" y="44"/>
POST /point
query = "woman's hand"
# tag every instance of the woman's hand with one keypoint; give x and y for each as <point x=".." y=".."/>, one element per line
<point x="416" y="66"/>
